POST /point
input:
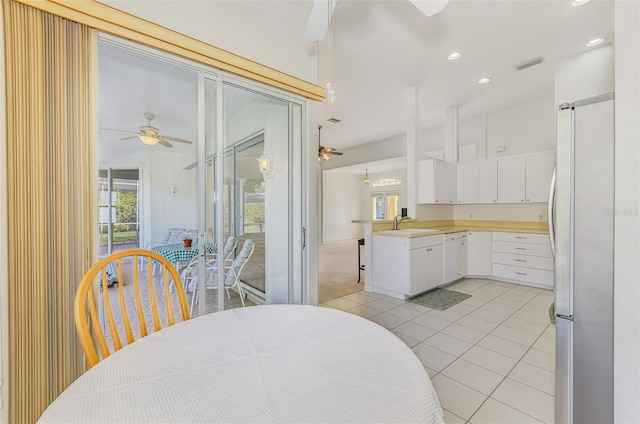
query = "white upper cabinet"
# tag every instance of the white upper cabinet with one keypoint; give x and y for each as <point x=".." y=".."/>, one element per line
<point x="511" y="180"/>
<point x="436" y="181"/>
<point x="468" y="183"/>
<point x="539" y="169"/>
<point x="525" y="179"/>
<point x="488" y="182"/>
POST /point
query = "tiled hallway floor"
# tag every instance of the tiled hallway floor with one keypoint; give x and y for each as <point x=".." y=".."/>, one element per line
<point x="490" y="358"/>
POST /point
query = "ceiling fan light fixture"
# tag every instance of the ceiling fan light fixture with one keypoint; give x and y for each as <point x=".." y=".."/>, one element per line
<point x="147" y="139"/>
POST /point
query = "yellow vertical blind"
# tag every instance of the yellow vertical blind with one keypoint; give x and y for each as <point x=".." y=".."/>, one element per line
<point x="50" y="91"/>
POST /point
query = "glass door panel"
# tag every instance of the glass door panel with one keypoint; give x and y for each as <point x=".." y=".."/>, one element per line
<point x="377" y="206"/>
<point x="392" y="200"/>
<point x="258" y="125"/>
<point x="118" y="210"/>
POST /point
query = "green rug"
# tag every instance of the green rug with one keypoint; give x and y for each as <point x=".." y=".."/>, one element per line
<point x="439" y="299"/>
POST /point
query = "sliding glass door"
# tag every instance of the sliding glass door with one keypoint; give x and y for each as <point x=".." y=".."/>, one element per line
<point x="215" y="184"/>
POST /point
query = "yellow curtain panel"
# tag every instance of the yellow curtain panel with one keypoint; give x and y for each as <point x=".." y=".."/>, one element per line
<point x="51" y="173"/>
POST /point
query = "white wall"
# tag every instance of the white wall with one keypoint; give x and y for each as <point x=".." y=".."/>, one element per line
<point x="341" y="203"/>
<point x="521" y="129"/>
<point x="502" y="212"/>
<point x="234" y="26"/>
<point x="585" y="75"/>
<point x="627" y="202"/>
<point x="433" y="212"/>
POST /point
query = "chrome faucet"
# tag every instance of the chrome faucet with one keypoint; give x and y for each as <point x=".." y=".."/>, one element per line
<point x="397" y="222"/>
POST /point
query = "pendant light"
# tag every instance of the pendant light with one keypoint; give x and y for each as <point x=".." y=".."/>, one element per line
<point x="366" y="176"/>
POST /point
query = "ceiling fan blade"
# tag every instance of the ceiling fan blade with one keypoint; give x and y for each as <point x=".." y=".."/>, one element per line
<point x="333" y="152"/>
<point x="113" y="129"/>
<point x="179" y="140"/>
<point x="430" y="7"/>
<point x="130" y="138"/>
<point x="164" y="143"/>
<point x="319" y="19"/>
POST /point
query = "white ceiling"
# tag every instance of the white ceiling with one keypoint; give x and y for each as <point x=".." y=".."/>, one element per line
<point x="380" y="49"/>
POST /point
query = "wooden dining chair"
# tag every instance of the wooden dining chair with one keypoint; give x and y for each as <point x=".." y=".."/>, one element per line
<point x="109" y="317"/>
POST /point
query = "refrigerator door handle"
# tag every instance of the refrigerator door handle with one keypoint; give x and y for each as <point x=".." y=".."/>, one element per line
<point x="551" y="206"/>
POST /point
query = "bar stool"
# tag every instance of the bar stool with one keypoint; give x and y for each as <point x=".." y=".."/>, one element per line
<point x="360" y="265"/>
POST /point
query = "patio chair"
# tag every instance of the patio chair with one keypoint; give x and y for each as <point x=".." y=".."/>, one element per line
<point x="174" y="235"/>
<point x="125" y="316"/>
<point x="189" y="275"/>
<point x="232" y="274"/>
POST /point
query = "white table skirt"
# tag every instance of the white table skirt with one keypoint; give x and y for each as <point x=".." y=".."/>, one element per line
<point x="273" y="363"/>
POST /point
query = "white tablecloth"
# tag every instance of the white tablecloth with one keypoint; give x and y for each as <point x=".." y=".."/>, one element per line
<point x="274" y="363"/>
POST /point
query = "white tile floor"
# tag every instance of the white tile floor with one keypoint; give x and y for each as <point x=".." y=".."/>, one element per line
<point x="490" y="357"/>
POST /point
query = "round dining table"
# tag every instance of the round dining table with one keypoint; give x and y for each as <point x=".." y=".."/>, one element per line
<point x="270" y="363"/>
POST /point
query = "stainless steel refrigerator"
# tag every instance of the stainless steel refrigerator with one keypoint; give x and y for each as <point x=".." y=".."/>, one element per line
<point x="581" y="221"/>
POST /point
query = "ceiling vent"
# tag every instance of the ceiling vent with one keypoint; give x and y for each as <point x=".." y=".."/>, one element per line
<point x="333" y="120"/>
<point x="529" y="63"/>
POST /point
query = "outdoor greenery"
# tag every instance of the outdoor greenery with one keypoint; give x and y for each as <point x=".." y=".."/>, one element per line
<point x="254" y="212"/>
<point x="126" y="211"/>
<point x="120" y="237"/>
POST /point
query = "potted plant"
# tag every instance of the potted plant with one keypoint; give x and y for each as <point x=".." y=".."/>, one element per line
<point x="187" y="241"/>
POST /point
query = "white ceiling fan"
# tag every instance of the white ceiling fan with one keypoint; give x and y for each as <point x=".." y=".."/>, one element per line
<point x="322" y="11"/>
<point x="151" y="135"/>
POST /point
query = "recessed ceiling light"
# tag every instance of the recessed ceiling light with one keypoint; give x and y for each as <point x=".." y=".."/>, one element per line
<point x="595" y="42"/>
<point x="484" y="80"/>
<point x="579" y="2"/>
<point x="454" y="56"/>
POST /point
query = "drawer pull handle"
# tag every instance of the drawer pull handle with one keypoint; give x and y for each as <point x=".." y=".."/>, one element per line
<point x="521" y="238"/>
<point x="521" y="248"/>
<point x="520" y="260"/>
<point x="521" y="273"/>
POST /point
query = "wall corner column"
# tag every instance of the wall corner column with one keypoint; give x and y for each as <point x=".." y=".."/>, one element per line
<point x="412" y="125"/>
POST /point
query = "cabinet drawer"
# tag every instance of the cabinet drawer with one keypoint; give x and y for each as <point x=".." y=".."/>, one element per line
<point x="425" y="241"/>
<point x="521" y="237"/>
<point x="543" y="250"/>
<point x="538" y="262"/>
<point x="529" y="275"/>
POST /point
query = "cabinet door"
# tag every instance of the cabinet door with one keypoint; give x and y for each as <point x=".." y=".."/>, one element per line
<point x="419" y="270"/>
<point x="538" y="177"/>
<point x="445" y="182"/>
<point x="511" y="180"/>
<point x="488" y="182"/>
<point x="467" y="183"/>
<point x="436" y="266"/>
<point x="479" y="253"/>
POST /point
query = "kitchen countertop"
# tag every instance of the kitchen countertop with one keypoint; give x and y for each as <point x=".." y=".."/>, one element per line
<point x="412" y="228"/>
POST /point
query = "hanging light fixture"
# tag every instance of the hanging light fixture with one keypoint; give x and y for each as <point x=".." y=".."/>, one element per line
<point x="366" y="176"/>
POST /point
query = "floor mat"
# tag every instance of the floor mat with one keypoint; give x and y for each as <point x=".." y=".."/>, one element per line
<point x="439" y="299"/>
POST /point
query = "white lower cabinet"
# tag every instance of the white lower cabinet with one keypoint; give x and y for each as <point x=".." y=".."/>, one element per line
<point x="426" y="268"/>
<point x="455" y="256"/>
<point x="403" y="267"/>
<point x="479" y="253"/>
<point x="523" y="257"/>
